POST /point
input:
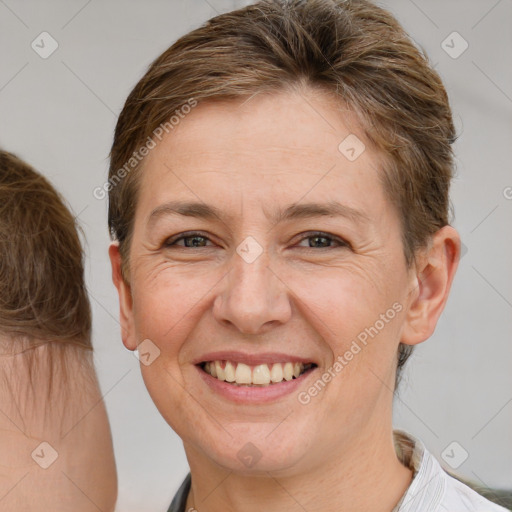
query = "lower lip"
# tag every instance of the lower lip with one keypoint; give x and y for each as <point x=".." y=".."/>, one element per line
<point x="253" y="394"/>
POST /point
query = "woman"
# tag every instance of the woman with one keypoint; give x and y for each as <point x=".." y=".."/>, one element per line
<point x="278" y="194"/>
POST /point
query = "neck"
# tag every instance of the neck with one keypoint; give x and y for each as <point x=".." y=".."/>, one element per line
<point x="364" y="474"/>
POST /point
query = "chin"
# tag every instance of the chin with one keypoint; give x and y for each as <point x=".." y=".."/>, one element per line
<point x="255" y="449"/>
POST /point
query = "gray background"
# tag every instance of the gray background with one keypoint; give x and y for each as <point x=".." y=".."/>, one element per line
<point x="59" y="114"/>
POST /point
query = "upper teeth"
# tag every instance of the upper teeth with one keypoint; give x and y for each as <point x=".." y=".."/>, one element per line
<point x="240" y="373"/>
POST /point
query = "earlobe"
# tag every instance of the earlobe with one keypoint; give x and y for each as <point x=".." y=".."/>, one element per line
<point x="431" y="286"/>
<point x="125" y="298"/>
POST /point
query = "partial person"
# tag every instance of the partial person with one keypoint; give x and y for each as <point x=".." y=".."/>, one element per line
<point x="56" y="450"/>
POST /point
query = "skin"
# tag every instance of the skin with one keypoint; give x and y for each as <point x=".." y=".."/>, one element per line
<point x="302" y="296"/>
<point x="73" y="421"/>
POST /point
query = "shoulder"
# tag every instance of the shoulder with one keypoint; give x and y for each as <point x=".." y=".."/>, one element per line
<point x="179" y="501"/>
<point x="432" y="488"/>
<point x="460" y="497"/>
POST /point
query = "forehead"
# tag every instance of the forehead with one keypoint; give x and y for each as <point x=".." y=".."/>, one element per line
<point x="270" y="149"/>
<point x="290" y="123"/>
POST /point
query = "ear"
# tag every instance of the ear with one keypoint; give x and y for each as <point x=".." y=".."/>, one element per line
<point x="430" y="285"/>
<point x="125" y="298"/>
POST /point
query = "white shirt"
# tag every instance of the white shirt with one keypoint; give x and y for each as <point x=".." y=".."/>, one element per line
<point x="432" y="489"/>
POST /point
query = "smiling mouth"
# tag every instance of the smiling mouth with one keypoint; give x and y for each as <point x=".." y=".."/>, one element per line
<point x="261" y="375"/>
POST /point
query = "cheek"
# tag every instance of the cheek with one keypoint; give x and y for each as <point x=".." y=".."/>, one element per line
<point x="345" y="300"/>
<point x="359" y="316"/>
<point x="166" y="300"/>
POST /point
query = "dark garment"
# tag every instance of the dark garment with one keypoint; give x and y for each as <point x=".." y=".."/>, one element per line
<point x="179" y="501"/>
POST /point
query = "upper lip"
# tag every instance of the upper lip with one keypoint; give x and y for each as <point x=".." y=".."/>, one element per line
<point x="252" y="359"/>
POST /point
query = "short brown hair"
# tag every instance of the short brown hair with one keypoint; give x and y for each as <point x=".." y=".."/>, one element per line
<point x="43" y="298"/>
<point x="42" y="289"/>
<point x="353" y="49"/>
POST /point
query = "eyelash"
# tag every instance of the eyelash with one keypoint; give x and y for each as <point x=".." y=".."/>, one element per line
<point x="342" y="243"/>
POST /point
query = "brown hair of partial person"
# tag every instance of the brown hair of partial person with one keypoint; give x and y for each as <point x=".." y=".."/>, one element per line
<point x="43" y="298"/>
<point x="353" y="50"/>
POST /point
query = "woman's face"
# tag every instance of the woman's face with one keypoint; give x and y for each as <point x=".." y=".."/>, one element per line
<point x="266" y="280"/>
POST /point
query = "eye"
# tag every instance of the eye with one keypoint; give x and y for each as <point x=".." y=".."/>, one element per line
<point x="320" y="240"/>
<point x="191" y="239"/>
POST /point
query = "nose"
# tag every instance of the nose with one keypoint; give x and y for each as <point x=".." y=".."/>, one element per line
<point x="253" y="297"/>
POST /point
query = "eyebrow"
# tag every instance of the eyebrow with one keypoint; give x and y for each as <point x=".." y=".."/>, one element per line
<point x="291" y="212"/>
